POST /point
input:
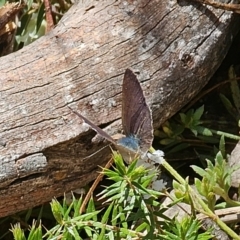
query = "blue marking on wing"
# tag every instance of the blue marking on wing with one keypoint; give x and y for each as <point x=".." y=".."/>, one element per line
<point x="130" y="142"/>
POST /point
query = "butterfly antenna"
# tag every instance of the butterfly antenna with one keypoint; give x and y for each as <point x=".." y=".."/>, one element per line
<point x="96" y="152"/>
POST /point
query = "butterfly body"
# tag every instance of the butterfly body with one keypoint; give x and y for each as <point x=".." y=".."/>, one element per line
<point x="128" y="148"/>
<point x="136" y="120"/>
<point x="130" y="142"/>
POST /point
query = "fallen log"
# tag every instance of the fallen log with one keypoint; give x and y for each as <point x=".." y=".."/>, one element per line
<point x="173" y="47"/>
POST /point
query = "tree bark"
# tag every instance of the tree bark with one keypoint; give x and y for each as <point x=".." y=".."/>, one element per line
<point x="174" y="47"/>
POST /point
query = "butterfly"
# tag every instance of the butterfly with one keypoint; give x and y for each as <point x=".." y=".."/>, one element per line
<point x="136" y="121"/>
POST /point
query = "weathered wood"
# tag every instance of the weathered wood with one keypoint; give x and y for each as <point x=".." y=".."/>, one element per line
<point x="175" y="47"/>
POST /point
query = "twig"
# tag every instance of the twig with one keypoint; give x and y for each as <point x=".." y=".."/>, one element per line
<point x="90" y="192"/>
<point x="49" y="18"/>
<point x="227" y="215"/>
<point x="202" y="94"/>
<point x="225" y="6"/>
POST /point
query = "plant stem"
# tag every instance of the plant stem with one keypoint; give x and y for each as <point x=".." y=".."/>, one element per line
<point x="228" y="135"/>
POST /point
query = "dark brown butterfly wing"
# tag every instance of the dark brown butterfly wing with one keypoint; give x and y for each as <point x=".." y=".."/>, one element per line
<point x="136" y="115"/>
<point x="95" y="127"/>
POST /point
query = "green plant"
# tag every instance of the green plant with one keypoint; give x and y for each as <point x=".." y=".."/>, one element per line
<point x="32" y="20"/>
<point x="131" y="210"/>
<point x="173" y="132"/>
<point x="184" y="192"/>
<point x="185" y="229"/>
<point x="232" y="108"/>
<point x="216" y="180"/>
